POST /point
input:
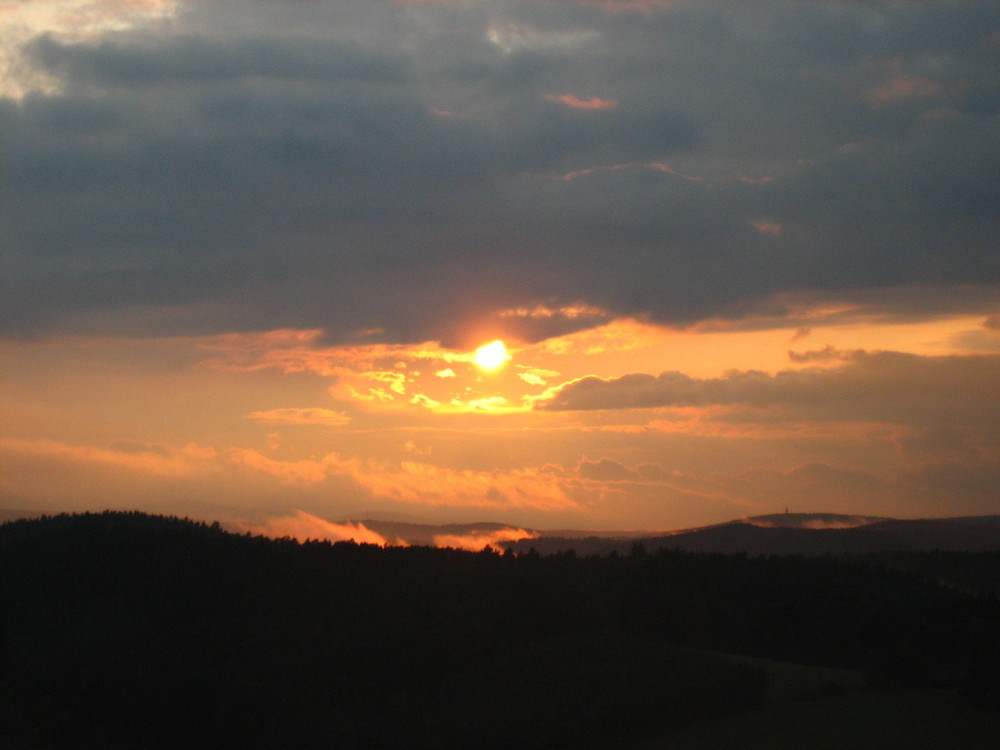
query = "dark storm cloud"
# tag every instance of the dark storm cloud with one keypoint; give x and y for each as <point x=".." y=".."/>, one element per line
<point x="188" y="59"/>
<point x="410" y="168"/>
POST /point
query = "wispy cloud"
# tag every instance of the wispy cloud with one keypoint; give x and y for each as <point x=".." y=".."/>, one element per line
<point x="415" y="482"/>
<point x="301" y="416"/>
<point x="134" y="457"/>
<point x="575" y="102"/>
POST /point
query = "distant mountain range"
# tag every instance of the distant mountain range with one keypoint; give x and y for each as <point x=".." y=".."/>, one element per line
<point x="799" y="534"/>
<point x="780" y="533"/>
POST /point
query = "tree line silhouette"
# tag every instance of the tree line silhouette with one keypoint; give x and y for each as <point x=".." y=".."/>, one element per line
<point x="126" y="630"/>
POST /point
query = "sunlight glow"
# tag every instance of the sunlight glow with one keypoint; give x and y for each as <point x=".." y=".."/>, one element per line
<point x="67" y="21"/>
<point x="492" y="355"/>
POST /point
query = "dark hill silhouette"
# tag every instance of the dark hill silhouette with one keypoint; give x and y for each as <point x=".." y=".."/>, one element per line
<point x="788" y="535"/>
<point x="123" y="630"/>
<point x="882" y="536"/>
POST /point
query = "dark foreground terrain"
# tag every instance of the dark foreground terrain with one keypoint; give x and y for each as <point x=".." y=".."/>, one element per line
<point x="122" y="630"/>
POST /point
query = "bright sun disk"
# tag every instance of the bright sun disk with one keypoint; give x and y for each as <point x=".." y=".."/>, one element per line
<point x="491" y="356"/>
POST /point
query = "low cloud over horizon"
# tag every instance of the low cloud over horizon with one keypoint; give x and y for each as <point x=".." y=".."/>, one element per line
<point x="741" y="256"/>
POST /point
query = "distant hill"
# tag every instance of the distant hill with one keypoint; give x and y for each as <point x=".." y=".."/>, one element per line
<point x="433" y="534"/>
<point x="801" y="534"/>
<point x="778" y="533"/>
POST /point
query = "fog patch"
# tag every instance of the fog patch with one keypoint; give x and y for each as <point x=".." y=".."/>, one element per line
<point x="304" y="526"/>
<point x="477" y="540"/>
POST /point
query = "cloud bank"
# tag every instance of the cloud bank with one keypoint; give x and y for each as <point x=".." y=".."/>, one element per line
<point x="397" y="169"/>
<point x="866" y="385"/>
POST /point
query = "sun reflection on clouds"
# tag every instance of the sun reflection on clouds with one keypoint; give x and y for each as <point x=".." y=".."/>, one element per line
<point x="428" y="377"/>
<point x="532" y="378"/>
<point x="424" y="376"/>
<point x="64" y="19"/>
<point x="519" y="37"/>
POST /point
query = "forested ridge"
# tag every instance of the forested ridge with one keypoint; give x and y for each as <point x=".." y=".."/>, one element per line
<point x="127" y="630"/>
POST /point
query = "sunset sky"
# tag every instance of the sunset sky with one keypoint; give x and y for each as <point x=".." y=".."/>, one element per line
<point x="741" y="257"/>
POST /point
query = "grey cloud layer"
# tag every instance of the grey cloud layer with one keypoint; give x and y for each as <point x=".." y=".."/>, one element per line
<point x="370" y="165"/>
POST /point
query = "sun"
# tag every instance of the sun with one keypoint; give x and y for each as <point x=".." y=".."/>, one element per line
<point x="491" y="356"/>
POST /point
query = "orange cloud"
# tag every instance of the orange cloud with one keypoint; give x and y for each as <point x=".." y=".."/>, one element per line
<point x="570" y="312"/>
<point x="291" y="415"/>
<point x="289" y="350"/>
<point x="576" y="102"/>
<point x="903" y="87"/>
<point x="420" y="483"/>
<point x="295" y="351"/>
<point x="623" y="335"/>
<point x="532" y="378"/>
<point x="302" y="473"/>
<point x="769" y="228"/>
<point x="415" y="482"/>
<point x="133" y="457"/>
<point x="374" y="377"/>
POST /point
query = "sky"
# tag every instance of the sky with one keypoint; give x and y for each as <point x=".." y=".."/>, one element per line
<point x="741" y="257"/>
